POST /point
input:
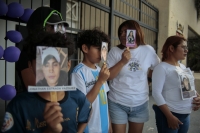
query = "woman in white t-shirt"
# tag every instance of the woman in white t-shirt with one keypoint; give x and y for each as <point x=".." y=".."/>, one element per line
<point x="174" y="104"/>
<point x="129" y="90"/>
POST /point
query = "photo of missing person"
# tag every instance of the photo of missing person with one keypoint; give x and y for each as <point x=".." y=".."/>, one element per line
<point x="186" y="88"/>
<point x="130" y="38"/>
<point x="185" y="84"/>
<point x="104" y="51"/>
<point x="51" y="66"/>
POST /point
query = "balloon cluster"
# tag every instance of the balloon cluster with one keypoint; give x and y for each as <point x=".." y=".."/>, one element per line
<point x="15" y="10"/>
<point x="12" y="53"/>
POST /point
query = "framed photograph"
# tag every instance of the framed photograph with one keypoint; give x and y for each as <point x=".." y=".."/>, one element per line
<point x="104" y="52"/>
<point x="130" y="38"/>
<point x="186" y="89"/>
<point x="187" y="85"/>
<point x="51" y="66"/>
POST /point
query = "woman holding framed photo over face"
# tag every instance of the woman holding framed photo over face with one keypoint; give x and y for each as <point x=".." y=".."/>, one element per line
<point x="128" y="98"/>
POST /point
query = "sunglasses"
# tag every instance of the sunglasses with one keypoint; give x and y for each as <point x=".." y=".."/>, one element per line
<point x="57" y="27"/>
<point x="60" y="28"/>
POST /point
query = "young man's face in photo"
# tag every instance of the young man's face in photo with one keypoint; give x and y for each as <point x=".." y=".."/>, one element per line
<point x="51" y="71"/>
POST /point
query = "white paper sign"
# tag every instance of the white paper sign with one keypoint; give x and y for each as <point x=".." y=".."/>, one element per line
<point x="48" y="89"/>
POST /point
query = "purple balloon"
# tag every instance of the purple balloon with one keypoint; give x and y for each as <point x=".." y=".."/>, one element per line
<point x="11" y="54"/>
<point x="1" y="52"/>
<point x="15" y="10"/>
<point x="3" y="8"/>
<point x="7" y="92"/>
<point x="27" y="13"/>
<point x="14" y="36"/>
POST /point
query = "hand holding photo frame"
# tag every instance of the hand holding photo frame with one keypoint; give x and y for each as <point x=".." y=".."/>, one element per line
<point x="51" y="71"/>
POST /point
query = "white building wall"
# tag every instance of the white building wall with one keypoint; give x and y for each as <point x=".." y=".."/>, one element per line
<point x="163" y="27"/>
<point x="171" y="11"/>
<point x="185" y="12"/>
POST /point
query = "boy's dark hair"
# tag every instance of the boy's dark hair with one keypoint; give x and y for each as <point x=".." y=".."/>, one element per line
<point x="93" y="37"/>
<point x="51" y="40"/>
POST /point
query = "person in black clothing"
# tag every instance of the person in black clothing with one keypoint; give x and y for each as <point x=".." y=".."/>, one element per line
<point x="43" y="19"/>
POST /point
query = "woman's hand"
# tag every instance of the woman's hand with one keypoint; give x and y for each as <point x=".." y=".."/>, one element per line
<point x="126" y="56"/>
<point x="173" y="122"/>
<point x="196" y="102"/>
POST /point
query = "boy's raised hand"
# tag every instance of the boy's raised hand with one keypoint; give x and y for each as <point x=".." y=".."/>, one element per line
<point x="104" y="74"/>
<point x="53" y="117"/>
<point x="126" y="56"/>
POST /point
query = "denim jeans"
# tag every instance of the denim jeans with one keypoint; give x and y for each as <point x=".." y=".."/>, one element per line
<point x="162" y="125"/>
<point x="121" y="114"/>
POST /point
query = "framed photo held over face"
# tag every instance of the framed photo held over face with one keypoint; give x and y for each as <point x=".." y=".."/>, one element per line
<point x="51" y="66"/>
<point x="51" y="71"/>
<point x="130" y="38"/>
<point x="104" y="51"/>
